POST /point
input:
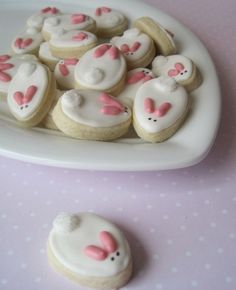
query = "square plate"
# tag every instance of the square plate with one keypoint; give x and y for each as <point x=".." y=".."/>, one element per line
<point x="187" y="147"/>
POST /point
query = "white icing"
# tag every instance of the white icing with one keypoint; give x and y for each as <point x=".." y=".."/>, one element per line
<point x="65" y="223"/>
<point x="52" y="25"/>
<point x="36" y="20"/>
<point x="130" y="90"/>
<point x="16" y="61"/>
<point x="69" y="248"/>
<point x="65" y="39"/>
<point x="162" y="65"/>
<point x="129" y="37"/>
<point x="99" y="73"/>
<point x="109" y="20"/>
<point x="21" y="82"/>
<point x="158" y="90"/>
<point x="29" y="33"/>
<point x="45" y="53"/>
<point x="87" y="110"/>
<point x="68" y="81"/>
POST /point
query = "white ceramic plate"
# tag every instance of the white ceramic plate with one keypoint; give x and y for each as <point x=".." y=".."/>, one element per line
<point x="187" y="147"/>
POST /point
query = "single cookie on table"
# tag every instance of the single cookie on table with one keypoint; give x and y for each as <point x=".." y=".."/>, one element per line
<point x="64" y="73"/>
<point x="179" y="67"/>
<point x="9" y="65"/>
<point x="102" y="68"/>
<point x="110" y="22"/>
<point x="31" y="93"/>
<point x="90" y="251"/>
<point x="36" y="20"/>
<point x="27" y="41"/>
<point x="162" y="37"/>
<point x="135" y="78"/>
<point x="73" y="43"/>
<point x="68" y="22"/>
<point x="138" y="48"/>
<point x="46" y="56"/>
<point x="91" y="115"/>
<point x="160" y="107"/>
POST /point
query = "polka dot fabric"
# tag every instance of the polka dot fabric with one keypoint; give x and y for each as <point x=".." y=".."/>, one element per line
<point x="181" y="224"/>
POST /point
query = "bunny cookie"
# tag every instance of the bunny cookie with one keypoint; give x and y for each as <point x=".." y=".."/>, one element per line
<point x="31" y="93"/>
<point x="91" y="115"/>
<point x="179" y="67"/>
<point x="110" y="22"/>
<point x="89" y="250"/>
<point x="160" y="107"/>
<point x="138" y="48"/>
<point x="101" y="68"/>
<point x="67" y="22"/>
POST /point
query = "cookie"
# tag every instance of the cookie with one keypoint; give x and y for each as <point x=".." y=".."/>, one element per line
<point x="27" y="41"/>
<point x="179" y="67"/>
<point x="31" y="93"/>
<point x="46" y="56"/>
<point x="68" y="22"/>
<point x="73" y="43"/>
<point x="89" y="250"/>
<point x="91" y="115"/>
<point x="138" y="48"/>
<point x="64" y="73"/>
<point x="135" y="78"/>
<point x="8" y="68"/>
<point x="102" y="68"/>
<point x="162" y="37"/>
<point x="110" y="22"/>
<point x="37" y="19"/>
<point x="160" y="107"/>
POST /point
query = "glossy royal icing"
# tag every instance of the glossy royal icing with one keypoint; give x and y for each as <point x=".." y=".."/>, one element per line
<point x="64" y="73"/>
<point x="107" y="18"/>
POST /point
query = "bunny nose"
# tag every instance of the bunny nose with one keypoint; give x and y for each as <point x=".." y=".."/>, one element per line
<point x="94" y="75"/>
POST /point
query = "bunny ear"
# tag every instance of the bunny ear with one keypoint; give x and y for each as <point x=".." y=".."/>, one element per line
<point x="135" y="46"/>
<point x="108" y="100"/>
<point x="135" y="78"/>
<point x="30" y="92"/>
<point x="149" y="105"/>
<point x="101" y="50"/>
<point x="179" y="66"/>
<point x="95" y="253"/>
<point x="108" y="241"/>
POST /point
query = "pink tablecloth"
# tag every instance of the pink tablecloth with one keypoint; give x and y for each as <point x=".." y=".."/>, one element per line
<point x="181" y="224"/>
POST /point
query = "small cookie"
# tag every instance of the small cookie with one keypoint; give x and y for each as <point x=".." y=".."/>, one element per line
<point x="68" y="22"/>
<point x="135" y="78"/>
<point x="160" y="107"/>
<point x="8" y="68"/>
<point x="91" y="115"/>
<point x="89" y="250"/>
<point x="110" y="22"/>
<point x="37" y="19"/>
<point x="102" y="68"/>
<point x="27" y="41"/>
<point x="138" y="48"/>
<point x="64" y="73"/>
<point x="73" y="43"/>
<point x="179" y="67"/>
<point x="31" y="93"/>
<point x="162" y="37"/>
<point x="46" y="56"/>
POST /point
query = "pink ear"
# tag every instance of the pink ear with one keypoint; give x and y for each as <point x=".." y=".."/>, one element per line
<point x="179" y="66"/>
<point x="80" y="36"/>
<point x="26" y="42"/>
<point x="18" y="97"/>
<point x="4" y="57"/>
<point x="18" y="42"/>
<point x="108" y="241"/>
<point x="173" y="73"/>
<point x="106" y="9"/>
<point x="95" y="253"/>
<point x="108" y="100"/>
<point x="101" y="50"/>
<point x="78" y="18"/>
<point x="162" y="110"/>
<point x="5" y="66"/>
<point x="70" y="61"/>
<point x="46" y="10"/>
<point x="136" y="77"/>
<point x="5" y="77"/>
<point x="113" y="52"/>
<point x="124" y="48"/>
<point x="149" y="105"/>
<point x="135" y="46"/>
<point x="31" y="91"/>
<point x="147" y="78"/>
<point x="63" y="69"/>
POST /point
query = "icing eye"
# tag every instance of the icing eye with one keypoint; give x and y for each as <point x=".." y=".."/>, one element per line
<point x="27" y="69"/>
<point x="181" y="74"/>
<point x="154" y="120"/>
<point x="185" y="71"/>
<point x="94" y="75"/>
<point x="118" y="254"/>
<point x="26" y="106"/>
<point x="149" y="119"/>
<point x="112" y="258"/>
<point x="71" y="99"/>
<point x="21" y="108"/>
<point x="66" y="222"/>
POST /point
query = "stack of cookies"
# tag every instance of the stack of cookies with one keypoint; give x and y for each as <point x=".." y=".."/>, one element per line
<point x="94" y="76"/>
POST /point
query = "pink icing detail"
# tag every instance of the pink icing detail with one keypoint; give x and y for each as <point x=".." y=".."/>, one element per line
<point x="20" y="43"/>
<point x="108" y="100"/>
<point x="98" y="11"/>
<point x="70" y="61"/>
<point x="179" y="67"/>
<point x="95" y="253"/>
<point x="125" y="48"/>
<point x="108" y="241"/>
<point x="138" y="76"/>
<point x="147" y="78"/>
<point x="63" y="66"/>
<point x="135" y="46"/>
<point x="5" y="66"/>
<point x="63" y="69"/>
<point x="78" y="18"/>
<point x="25" y="99"/>
<point x="80" y="36"/>
<point x="149" y="105"/>
<point x="161" y="111"/>
<point x="102" y="49"/>
<point x="52" y="10"/>
<point x="4" y="77"/>
<point x="4" y="57"/>
<point x="110" y="110"/>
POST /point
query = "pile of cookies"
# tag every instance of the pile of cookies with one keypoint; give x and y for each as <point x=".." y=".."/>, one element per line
<point x="93" y="77"/>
